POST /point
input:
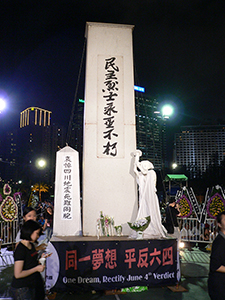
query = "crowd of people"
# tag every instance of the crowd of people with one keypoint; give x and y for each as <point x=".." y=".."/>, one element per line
<point x="198" y="232"/>
<point x="205" y="232"/>
<point x="188" y="228"/>
<point x="37" y="228"/>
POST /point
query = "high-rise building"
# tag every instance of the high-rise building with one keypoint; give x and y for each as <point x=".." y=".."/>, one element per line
<point x="8" y="157"/>
<point x="75" y="131"/>
<point x="58" y="138"/>
<point x="199" y="147"/>
<point x="39" y="139"/>
<point x="150" y="131"/>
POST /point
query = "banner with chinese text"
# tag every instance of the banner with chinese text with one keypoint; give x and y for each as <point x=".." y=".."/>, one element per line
<point x="106" y="265"/>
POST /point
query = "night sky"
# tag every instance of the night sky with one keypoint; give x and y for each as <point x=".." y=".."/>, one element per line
<point x="178" y="54"/>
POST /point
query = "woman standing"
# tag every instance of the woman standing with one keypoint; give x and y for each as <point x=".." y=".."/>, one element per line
<point x="27" y="282"/>
<point x="29" y="213"/>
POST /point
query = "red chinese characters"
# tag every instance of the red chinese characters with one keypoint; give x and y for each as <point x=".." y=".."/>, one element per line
<point x="108" y="258"/>
<point x="71" y="259"/>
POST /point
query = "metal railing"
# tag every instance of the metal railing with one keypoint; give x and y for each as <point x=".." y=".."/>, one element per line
<point x="193" y="231"/>
<point x="8" y="231"/>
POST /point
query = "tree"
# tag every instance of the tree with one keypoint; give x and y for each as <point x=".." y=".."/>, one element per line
<point x="40" y="187"/>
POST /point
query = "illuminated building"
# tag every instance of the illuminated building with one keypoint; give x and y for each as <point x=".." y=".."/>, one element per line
<point x="39" y="138"/>
<point x="150" y="131"/>
<point x="199" y="147"/>
<point x="8" y="157"/>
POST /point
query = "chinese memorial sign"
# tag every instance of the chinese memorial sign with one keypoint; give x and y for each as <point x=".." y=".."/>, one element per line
<point x="110" y="106"/>
<point x="67" y="171"/>
<point x="103" y="265"/>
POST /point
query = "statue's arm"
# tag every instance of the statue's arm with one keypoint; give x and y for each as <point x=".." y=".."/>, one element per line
<point x="154" y="178"/>
<point x="137" y="155"/>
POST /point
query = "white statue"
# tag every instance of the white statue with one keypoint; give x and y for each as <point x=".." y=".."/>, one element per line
<point x="148" y="199"/>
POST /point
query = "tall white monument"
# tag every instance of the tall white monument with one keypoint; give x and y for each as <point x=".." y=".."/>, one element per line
<point x="67" y="212"/>
<point x="109" y="129"/>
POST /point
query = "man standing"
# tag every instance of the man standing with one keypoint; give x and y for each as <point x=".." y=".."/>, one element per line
<point x="172" y="212"/>
<point x="216" y="280"/>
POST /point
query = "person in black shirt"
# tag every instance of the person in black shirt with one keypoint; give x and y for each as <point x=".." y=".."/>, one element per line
<point x="27" y="282"/>
<point x="216" y="280"/>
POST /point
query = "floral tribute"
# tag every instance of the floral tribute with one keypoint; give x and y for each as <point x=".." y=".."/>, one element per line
<point x="141" y="224"/>
<point x="8" y="206"/>
<point x="7" y="189"/>
<point x="184" y="206"/>
<point x="105" y="225"/>
<point x="215" y="205"/>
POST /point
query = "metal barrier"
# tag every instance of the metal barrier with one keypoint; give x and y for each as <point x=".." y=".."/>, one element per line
<point x="193" y="231"/>
<point x="8" y="231"/>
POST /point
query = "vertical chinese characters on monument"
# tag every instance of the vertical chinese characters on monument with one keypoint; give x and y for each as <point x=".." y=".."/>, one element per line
<point x="110" y="95"/>
<point x="110" y="107"/>
<point x="67" y="187"/>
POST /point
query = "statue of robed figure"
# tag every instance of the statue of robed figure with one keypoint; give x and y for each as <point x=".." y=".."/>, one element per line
<point x="148" y="199"/>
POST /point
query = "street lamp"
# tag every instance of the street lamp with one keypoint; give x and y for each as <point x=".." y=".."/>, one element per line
<point x="163" y="114"/>
<point x="174" y="166"/>
<point x="2" y="105"/>
<point x="167" y="111"/>
<point x="41" y="163"/>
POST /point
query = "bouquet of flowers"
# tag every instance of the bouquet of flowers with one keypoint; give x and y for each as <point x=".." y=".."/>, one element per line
<point x="105" y="224"/>
<point x="141" y="224"/>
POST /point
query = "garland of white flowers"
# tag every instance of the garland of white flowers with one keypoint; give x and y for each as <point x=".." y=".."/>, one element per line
<point x="141" y="224"/>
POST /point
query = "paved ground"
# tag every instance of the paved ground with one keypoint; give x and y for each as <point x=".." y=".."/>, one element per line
<point x="194" y="275"/>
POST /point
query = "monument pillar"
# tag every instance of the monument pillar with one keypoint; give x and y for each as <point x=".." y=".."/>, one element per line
<point x="109" y="127"/>
<point x="67" y="212"/>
